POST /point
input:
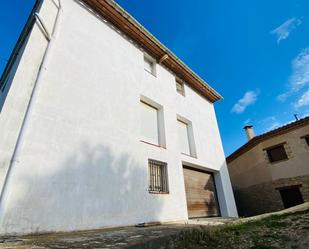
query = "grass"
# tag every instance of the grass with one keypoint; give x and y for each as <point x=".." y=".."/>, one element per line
<point x="275" y="232"/>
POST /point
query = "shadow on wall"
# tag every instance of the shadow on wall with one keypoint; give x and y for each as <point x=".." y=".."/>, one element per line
<point x="92" y="188"/>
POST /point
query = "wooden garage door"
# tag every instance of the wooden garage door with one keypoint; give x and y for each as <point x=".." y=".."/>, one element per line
<point x="201" y="193"/>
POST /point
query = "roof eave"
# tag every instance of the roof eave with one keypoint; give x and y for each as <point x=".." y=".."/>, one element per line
<point x="273" y="133"/>
<point x="116" y="15"/>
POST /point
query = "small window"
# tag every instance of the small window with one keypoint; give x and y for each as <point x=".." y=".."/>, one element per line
<point x="185" y="137"/>
<point x="277" y="153"/>
<point x="306" y="138"/>
<point x="149" y="125"/>
<point x="158" y="179"/>
<point x="149" y="65"/>
<point x="152" y="123"/>
<point x="180" y="87"/>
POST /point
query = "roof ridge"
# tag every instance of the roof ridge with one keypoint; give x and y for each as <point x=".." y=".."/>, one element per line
<point x="258" y="139"/>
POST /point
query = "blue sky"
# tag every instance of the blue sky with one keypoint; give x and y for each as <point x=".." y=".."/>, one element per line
<point x="255" y="53"/>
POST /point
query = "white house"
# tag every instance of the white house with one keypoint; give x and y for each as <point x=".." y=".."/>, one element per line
<point x="102" y="126"/>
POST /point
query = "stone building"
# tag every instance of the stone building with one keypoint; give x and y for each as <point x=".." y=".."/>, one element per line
<point x="102" y="126"/>
<point x="271" y="171"/>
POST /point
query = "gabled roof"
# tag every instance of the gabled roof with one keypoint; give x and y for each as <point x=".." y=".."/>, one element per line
<point x="112" y="12"/>
<point x="258" y="139"/>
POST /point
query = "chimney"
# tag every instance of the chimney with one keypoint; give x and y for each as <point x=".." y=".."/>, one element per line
<point x="249" y="131"/>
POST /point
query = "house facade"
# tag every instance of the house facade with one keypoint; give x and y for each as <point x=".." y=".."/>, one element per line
<point x="271" y="171"/>
<point x="102" y="126"/>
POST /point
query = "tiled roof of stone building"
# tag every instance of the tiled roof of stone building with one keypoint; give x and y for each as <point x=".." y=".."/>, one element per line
<point x="258" y="139"/>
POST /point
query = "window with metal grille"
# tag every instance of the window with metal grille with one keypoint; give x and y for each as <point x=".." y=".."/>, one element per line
<point x="180" y="87"/>
<point x="277" y="153"/>
<point x="158" y="179"/>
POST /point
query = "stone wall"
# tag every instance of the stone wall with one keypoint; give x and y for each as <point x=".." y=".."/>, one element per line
<point x="265" y="197"/>
<point x="302" y="181"/>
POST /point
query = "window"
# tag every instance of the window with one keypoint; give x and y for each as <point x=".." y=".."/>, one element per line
<point x="149" y="65"/>
<point x="291" y="196"/>
<point x="185" y="136"/>
<point x="158" y="179"/>
<point x="306" y="138"/>
<point x="149" y="125"/>
<point x="277" y="153"/>
<point x="180" y="87"/>
<point x="152" y="123"/>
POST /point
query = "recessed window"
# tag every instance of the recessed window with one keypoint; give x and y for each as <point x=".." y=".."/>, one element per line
<point x="291" y="196"/>
<point x="149" y="65"/>
<point x="180" y="87"/>
<point x="306" y="138"/>
<point x="158" y="179"/>
<point x="277" y="153"/>
<point x="152" y="122"/>
<point x="149" y="125"/>
<point x="185" y="137"/>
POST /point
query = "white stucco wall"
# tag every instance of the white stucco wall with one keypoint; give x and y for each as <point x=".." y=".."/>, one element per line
<point x="15" y="98"/>
<point x="80" y="164"/>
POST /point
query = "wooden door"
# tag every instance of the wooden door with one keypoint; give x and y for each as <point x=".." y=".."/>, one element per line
<point x="200" y="193"/>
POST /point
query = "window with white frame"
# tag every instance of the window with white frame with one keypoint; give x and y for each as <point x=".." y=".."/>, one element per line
<point x="152" y="122"/>
<point x="185" y="137"/>
<point x="149" y="65"/>
<point x="180" y="88"/>
<point x="149" y="124"/>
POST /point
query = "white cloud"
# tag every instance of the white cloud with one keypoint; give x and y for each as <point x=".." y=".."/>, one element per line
<point x="283" y="31"/>
<point x="300" y="76"/>
<point x="269" y="123"/>
<point x="273" y="125"/>
<point x="303" y="100"/>
<point x="247" y="121"/>
<point x="248" y="99"/>
<point x="282" y="97"/>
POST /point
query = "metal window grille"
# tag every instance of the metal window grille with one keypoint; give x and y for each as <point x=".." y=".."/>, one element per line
<point x="158" y="179"/>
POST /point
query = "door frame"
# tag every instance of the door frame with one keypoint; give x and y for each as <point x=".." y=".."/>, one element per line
<point x="185" y="166"/>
